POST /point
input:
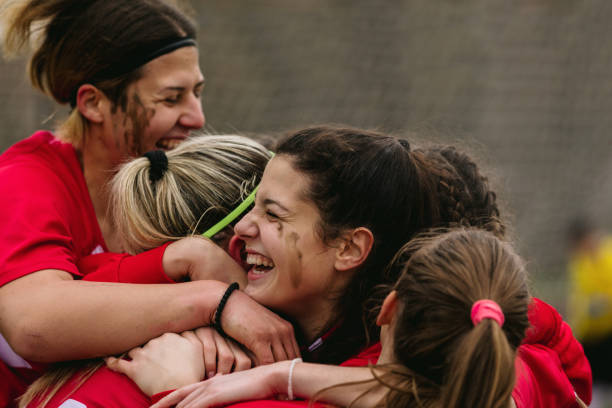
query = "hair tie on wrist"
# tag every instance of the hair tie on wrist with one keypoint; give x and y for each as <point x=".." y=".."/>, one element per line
<point x="487" y="309"/>
<point x="159" y="164"/>
<point x="290" y="396"/>
<point x="217" y="319"/>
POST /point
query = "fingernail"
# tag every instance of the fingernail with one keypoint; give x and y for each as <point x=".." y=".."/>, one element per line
<point x="211" y="374"/>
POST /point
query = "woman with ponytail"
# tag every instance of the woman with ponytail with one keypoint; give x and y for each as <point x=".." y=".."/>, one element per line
<point x="450" y="330"/>
<point x="318" y="244"/>
<point x="129" y="72"/>
<point x="158" y="199"/>
<point x="551" y="365"/>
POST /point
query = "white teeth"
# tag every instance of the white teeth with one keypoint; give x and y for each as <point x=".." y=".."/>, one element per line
<point x="259" y="260"/>
<point x="168" y="144"/>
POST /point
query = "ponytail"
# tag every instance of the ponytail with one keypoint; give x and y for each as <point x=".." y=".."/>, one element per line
<point x="481" y="369"/>
<point x="204" y="179"/>
<point x="457" y="355"/>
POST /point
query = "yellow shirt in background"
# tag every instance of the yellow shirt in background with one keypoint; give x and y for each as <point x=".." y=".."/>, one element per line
<point x="590" y="300"/>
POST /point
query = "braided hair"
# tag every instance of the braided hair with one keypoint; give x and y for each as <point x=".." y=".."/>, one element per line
<point x="464" y="194"/>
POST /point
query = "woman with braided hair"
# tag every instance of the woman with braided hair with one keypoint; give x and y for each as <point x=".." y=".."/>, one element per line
<point x="464" y="192"/>
<point x="446" y="341"/>
<point x="338" y="162"/>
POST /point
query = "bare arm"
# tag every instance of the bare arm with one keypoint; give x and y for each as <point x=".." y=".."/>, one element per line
<point x="270" y="381"/>
<point x="47" y="316"/>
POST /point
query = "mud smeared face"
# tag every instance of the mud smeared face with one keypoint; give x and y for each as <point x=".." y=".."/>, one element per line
<point x="292" y="269"/>
<point x="162" y="107"/>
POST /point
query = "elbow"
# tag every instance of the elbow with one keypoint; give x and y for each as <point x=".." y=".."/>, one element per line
<point x="25" y="342"/>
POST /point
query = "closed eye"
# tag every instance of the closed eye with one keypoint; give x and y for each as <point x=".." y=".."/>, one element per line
<point x="272" y="216"/>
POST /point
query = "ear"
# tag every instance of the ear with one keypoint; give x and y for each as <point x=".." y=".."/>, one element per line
<point x="354" y="249"/>
<point x="388" y="309"/>
<point x="92" y="102"/>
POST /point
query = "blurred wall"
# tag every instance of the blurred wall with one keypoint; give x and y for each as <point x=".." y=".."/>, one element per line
<point x="526" y="84"/>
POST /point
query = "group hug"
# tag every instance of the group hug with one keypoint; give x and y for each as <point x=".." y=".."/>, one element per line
<point x="144" y="263"/>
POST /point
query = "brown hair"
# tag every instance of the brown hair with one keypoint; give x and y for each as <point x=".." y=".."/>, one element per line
<point x="88" y="41"/>
<point x="450" y="361"/>
<point x="464" y="193"/>
<point x="368" y="179"/>
<point x="364" y="178"/>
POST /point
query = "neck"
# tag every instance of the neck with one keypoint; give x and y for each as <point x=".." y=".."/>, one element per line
<point x="98" y="169"/>
<point x="314" y="323"/>
<point x="386" y="341"/>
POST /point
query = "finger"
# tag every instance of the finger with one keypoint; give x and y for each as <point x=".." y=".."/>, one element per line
<point x="191" y="336"/>
<point x="225" y="356"/>
<point x="135" y="352"/>
<point x="209" y="350"/>
<point x="119" y="365"/>
<point x="289" y="343"/>
<point x="293" y="345"/>
<point x="194" y="396"/>
<point x="172" y="398"/>
<point x="263" y="354"/>
<point x="241" y="359"/>
<point x="279" y="351"/>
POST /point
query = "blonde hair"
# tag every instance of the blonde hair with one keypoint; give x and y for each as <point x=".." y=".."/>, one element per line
<point x="207" y="176"/>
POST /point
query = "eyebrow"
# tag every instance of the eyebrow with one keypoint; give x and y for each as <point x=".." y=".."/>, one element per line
<point x="268" y="201"/>
<point x="182" y="88"/>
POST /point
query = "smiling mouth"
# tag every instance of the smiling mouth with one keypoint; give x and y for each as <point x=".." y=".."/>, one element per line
<point x="168" y="144"/>
<point x="260" y="263"/>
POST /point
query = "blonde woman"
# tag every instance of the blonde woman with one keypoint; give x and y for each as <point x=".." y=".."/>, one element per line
<point x="202" y="187"/>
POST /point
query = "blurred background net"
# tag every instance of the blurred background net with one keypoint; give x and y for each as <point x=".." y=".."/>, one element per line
<point x="526" y="85"/>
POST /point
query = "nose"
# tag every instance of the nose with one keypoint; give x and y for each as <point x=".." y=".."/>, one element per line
<point x="193" y="116"/>
<point x="247" y="227"/>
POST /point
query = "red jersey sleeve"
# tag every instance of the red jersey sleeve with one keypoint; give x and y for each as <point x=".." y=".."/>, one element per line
<point x="549" y="331"/>
<point x="146" y="267"/>
<point x="47" y="218"/>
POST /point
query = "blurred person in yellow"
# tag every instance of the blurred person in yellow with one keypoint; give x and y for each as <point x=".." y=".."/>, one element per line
<point x="590" y="301"/>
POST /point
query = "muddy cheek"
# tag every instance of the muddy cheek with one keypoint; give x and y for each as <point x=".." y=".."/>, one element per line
<point x="139" y="116"/>
<point x="295" y="268"/>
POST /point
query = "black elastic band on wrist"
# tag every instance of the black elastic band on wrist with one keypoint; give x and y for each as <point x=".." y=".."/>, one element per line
<point x="217" y="319"/>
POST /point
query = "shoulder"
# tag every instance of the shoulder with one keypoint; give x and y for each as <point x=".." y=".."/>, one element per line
<point x="41" y="150"/>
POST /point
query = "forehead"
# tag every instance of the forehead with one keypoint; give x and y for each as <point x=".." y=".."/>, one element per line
<point x="179" y="68"/>
<point x="283" y="183"/>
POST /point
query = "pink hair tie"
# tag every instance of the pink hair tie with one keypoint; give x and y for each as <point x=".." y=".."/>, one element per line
<point x="487" y="309"/>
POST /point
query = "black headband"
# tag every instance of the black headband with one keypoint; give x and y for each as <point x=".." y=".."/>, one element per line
<point x="159" y="164"/>
<point x="137" y="59"/>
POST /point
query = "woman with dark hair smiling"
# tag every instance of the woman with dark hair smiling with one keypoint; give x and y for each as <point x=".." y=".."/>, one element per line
<point x="318" y="243"/>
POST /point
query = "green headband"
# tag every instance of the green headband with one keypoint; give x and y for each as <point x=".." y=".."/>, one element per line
<point x="234" y="214"/>
<point x="231" y="216"/>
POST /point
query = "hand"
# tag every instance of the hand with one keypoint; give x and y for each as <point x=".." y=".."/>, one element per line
<point x="165" y="363"/>
<point x="264" y="333"/>
<point x="198" y="258"/>
<point x="221" y="355"/>
<point x="258" y="383"/>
